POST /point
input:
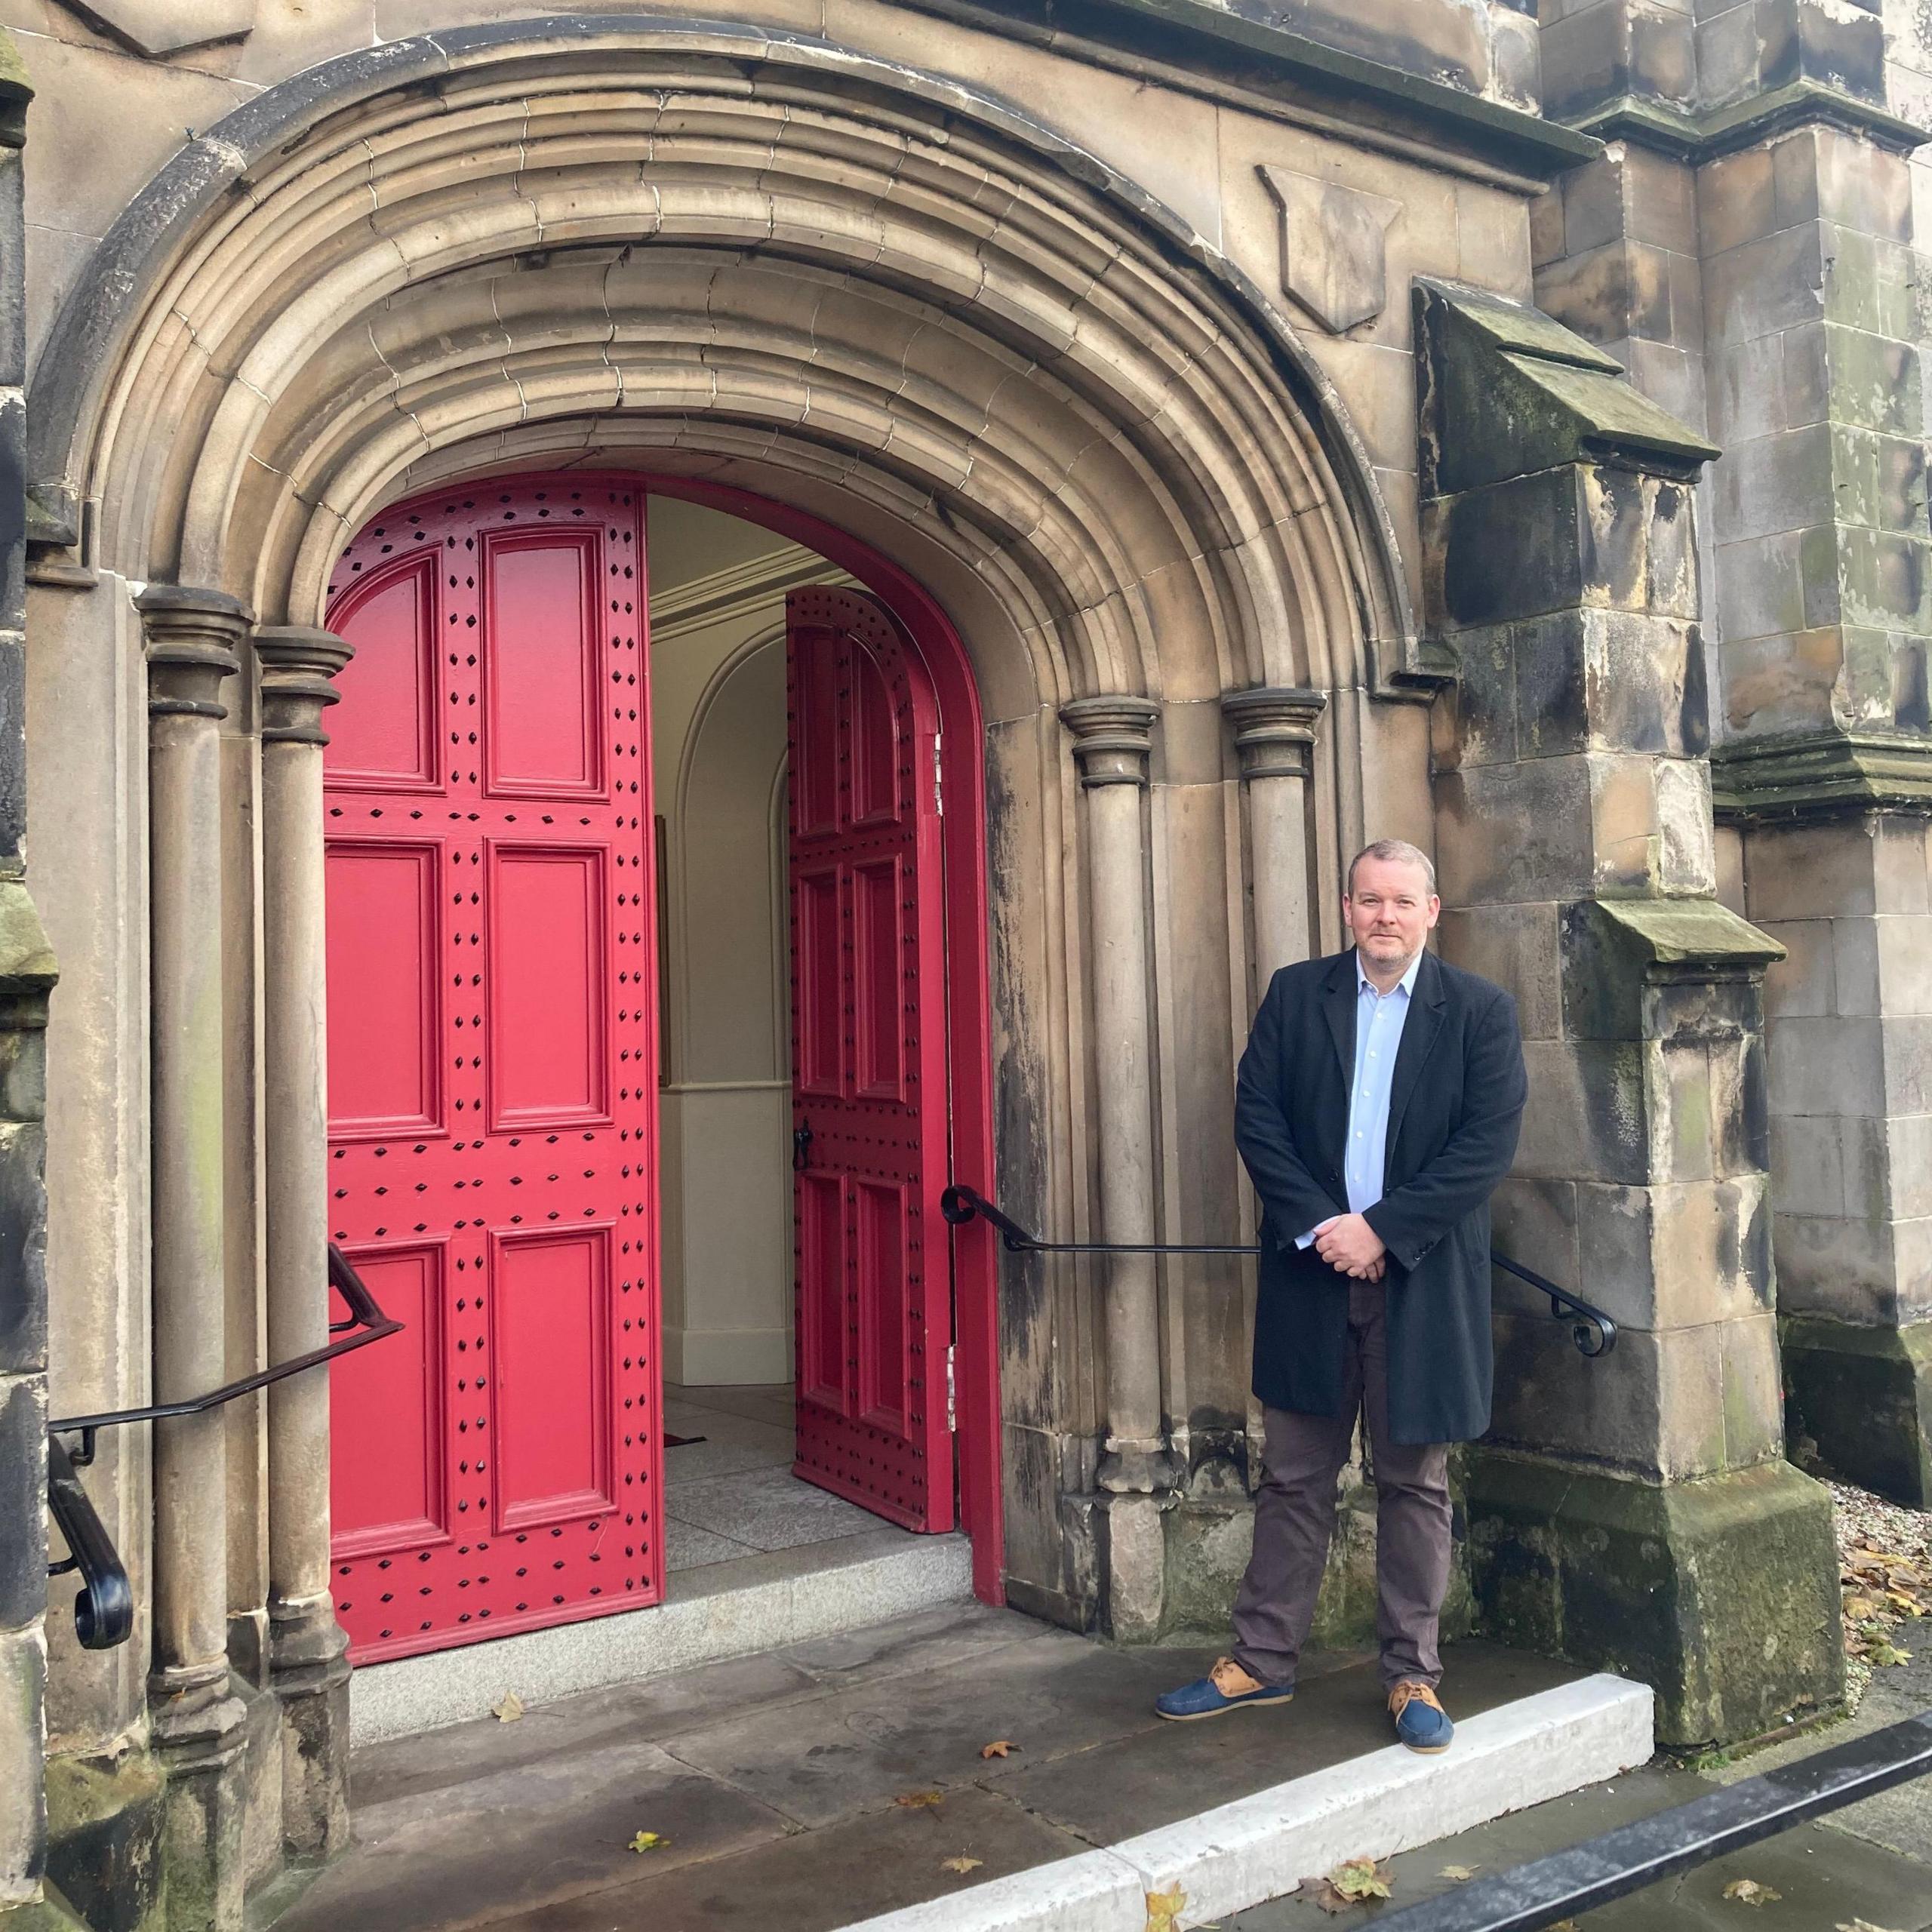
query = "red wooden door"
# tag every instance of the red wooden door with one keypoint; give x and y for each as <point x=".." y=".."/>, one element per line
<point x="868" y="1103"/>
<point x="492" y="1065"/>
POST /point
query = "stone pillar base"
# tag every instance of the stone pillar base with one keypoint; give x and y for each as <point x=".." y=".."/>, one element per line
<point x="1720" y="1593"/>
<point x="1864" y="1396"/>
<point x="1208" y="1540"/>
<point x="1132" y="1549"/>
<point x="104" y="1821"/>
<point x="308" y="1661"/>
<point x="200" y="1733"/>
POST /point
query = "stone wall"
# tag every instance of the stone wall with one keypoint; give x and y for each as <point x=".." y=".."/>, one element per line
<point x="1751" y="246"/>
<point x="26" y="974"/>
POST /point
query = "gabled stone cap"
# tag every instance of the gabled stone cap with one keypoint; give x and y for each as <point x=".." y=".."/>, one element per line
<point x="26" y="958"/>
<point x="1507" y="392"/>
<point x="1688" y="932"/>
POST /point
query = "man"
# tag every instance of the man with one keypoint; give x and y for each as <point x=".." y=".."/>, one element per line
<point x="1378" y="1108"/>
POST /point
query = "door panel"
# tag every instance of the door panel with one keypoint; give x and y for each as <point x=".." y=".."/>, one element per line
<point x="492" y="1065"/>
<point x="868" y="1100"/>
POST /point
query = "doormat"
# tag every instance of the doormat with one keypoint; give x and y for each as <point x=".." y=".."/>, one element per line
<point x="680" y="1441"/>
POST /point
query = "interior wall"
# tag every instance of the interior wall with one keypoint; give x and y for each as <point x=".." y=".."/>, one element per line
<point x="718" y="588"/>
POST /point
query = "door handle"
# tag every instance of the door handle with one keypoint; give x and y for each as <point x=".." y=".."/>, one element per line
<point x="801" y="1144"/>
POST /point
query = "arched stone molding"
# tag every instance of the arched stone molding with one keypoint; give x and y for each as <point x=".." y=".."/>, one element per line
<point x="864" y="294"/>
<point x="1035" y="365"/>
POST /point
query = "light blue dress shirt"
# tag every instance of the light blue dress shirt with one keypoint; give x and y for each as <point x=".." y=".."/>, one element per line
<point x="1380" y="1019"/>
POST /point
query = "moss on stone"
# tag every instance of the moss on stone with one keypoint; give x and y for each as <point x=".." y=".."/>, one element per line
<point x="1721" y="1594"/>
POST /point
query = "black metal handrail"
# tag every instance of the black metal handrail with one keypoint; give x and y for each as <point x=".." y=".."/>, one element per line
<point x="104" y="1606"/>
<point x="1593" y="1332"/>
<point x="104" y="1609"/>
<point x="367" y="1323"/>
<point x="1569" y="1883"/>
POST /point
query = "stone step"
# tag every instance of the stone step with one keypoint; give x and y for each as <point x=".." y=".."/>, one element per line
<point x="760" y="1602"/>
<point x="1223" y="1860"/>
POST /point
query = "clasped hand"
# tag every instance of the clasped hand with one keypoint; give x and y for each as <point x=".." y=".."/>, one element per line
<point x="1348" y="1244"/>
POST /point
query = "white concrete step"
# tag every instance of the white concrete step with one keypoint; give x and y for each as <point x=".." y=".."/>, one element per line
<point x="1265" y="1847"/>
<point x="723" y="1610"/>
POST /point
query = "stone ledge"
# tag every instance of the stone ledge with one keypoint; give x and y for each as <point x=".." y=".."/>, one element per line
<point x="1819" y="774"/>
<point x="1696" y="137"/>
<point x="1265" y="1847"/>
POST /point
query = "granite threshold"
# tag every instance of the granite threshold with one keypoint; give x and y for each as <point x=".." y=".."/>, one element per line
<point x="759" y="1602"/>
<point x="1235" y="1856"/>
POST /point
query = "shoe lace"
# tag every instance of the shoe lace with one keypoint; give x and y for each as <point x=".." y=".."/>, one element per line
<point x="1230" y="1677"/>
<point x="1405" y="1694"/>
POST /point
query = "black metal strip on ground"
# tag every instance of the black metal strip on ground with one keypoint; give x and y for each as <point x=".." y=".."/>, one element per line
<point x="1538" y="1895"/>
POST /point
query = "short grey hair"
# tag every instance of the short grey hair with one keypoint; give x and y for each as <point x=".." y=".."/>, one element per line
<point x="1402" y="853"/>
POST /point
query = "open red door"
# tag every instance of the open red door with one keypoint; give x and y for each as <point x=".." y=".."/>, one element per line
<point x="492" y="1054"/>
<point x="868" y="1098"/>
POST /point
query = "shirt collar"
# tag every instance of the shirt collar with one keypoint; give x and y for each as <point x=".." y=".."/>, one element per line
<point x="1406" y="984"/>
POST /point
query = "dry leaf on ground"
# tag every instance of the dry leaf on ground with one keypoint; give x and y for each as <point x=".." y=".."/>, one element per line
<point x="1858" y="1925"/>
<point x="509" y="1710"/>
<point x="913" y="1800"/>
<point x="960" y="1864"/>
<point x="1000" y="1747"/>
<point x="1460" y="1875"/>
<point x="1354" y="1880"/>
<point x="1164" y="1909"/>
<point x="648" y="1841"/>
<point x="1747" y="1891"/>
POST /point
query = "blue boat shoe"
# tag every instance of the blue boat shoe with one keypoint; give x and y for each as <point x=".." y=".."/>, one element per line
<point x="1226" y="1687"/>
<point x="1421" y="1723"/>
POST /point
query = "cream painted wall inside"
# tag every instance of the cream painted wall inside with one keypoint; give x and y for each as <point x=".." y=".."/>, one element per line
<point x="718" y="588"/>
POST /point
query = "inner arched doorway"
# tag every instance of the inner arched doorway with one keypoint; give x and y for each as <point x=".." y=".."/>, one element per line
<point x="512" y="997"/>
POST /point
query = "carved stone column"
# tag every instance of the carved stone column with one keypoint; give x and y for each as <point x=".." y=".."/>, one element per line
<point x="1112" y="738"/>
<point x="308" y="1649"/>
<point x="193" y="636"/>
<point x="1275" y="734"/>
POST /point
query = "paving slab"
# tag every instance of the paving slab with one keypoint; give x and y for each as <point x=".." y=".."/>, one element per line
<point x="499" y="1846"/>
<point x="864" y="1746"/>
<point x="819" y="1880"/>
<point x="1170" y="1771"/>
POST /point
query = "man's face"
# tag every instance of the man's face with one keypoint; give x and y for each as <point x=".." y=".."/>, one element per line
<point x="1390" y="911"/>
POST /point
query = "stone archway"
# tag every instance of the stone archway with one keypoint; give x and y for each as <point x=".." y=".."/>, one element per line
<point x="866" y="294"/>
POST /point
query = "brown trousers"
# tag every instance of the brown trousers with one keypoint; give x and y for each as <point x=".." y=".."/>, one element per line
<point x="1294" y="1512"/>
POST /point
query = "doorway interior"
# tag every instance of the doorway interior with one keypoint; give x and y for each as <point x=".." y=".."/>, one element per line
<point x="644" y="1060"/>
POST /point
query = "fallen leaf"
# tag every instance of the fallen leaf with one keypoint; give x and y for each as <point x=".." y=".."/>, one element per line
<point x="1563" y="1925"/>
<point x="1886" y="1654"/>
<point x="1164" y="1909"/>
<point x="962" y="1864"/>
<point x="647" y="1842"/>
<point x="509" y="1710"/>
<point x="1360" y="1878"/>
<point x="914" y="1799"/>
<point x="1351" y="1881"/>
<point x="1000" y="1747"/>
<point x="1858" y="1925"/>
<point x="1747" y="1891"/>
<point x="1460" y="1875"/>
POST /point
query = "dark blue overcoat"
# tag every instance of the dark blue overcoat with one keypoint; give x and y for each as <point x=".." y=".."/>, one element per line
<point x="1455" y="1105"/>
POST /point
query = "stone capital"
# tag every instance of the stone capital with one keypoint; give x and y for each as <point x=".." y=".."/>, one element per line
<point x="1112" y="737"/>
<point x="194" y="640"/>
<point x="1275" y="727"/>
<point x="300" y="665"/>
